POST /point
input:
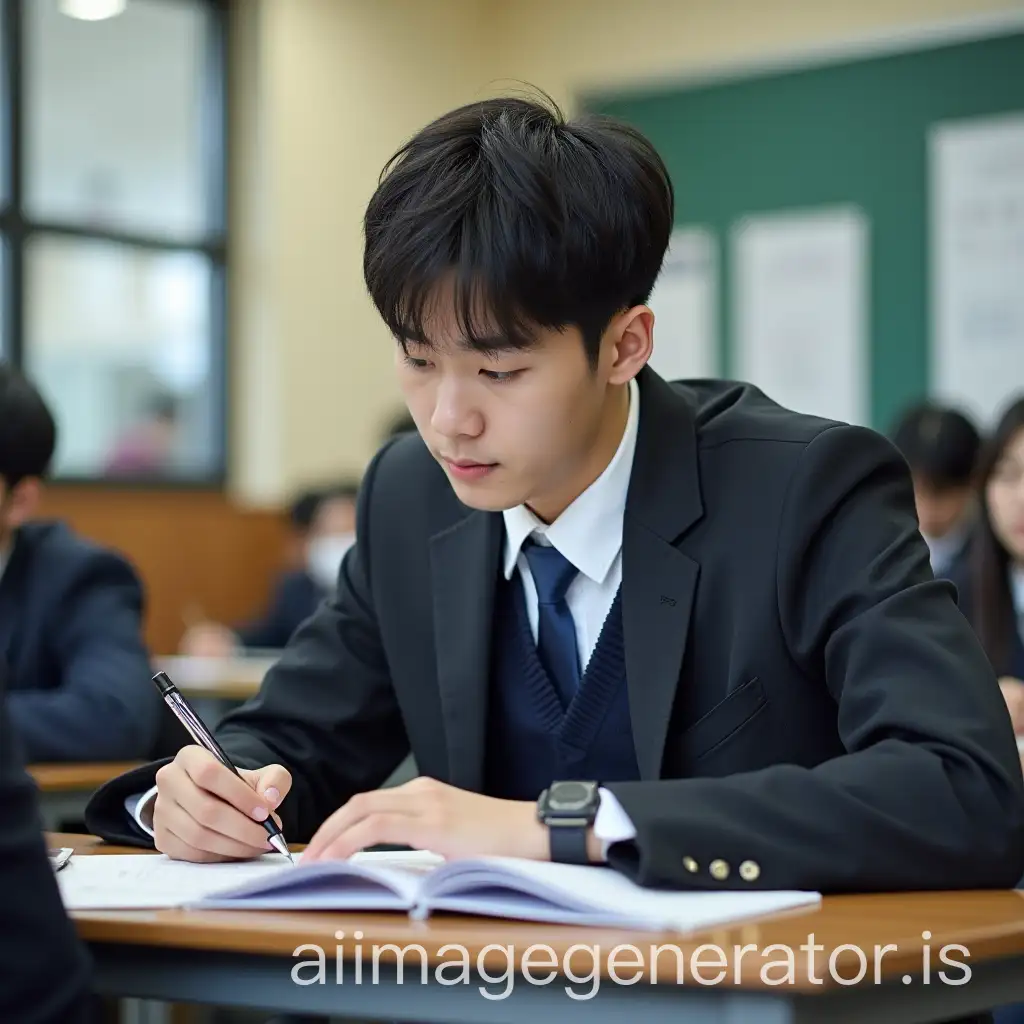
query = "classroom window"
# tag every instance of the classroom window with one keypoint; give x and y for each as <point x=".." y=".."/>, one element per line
<point x="113" y="214"/>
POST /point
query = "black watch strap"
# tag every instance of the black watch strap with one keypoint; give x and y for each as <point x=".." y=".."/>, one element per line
<point x="568" y="843"/>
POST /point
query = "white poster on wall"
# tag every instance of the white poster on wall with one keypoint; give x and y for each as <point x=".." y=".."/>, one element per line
<point x="800" y="309"/>
<point x="684" y="303"/>
<point x="977" y="263"/>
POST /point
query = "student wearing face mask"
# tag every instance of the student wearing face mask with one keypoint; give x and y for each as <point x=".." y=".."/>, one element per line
<point x="324" y="523"/>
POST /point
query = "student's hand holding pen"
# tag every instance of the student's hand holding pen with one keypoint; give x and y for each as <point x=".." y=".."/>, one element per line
<point x="204" y="812"/>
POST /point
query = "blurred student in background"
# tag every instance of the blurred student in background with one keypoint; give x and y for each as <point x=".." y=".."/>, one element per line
<point x="941" y="446"/>
<point x="324" y="524"/>
<point x="147" y="447"/>
<point x="70" y="612"/>
<point x="991" y="581"/>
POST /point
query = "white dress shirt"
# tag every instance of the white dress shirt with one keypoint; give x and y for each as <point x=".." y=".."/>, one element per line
<point x="944" y="550"/>
<point x="589" y="534"/>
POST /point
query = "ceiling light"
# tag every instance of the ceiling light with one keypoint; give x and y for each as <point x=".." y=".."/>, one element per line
<point x="92" y="10"/>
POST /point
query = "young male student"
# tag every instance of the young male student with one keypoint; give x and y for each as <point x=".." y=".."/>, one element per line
<point x="44" y="969"/>
<point x="671" y="627"/>
<point x="70" y="612"/>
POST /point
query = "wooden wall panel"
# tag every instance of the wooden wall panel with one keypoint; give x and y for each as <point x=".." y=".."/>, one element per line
<point x="197" y="553"/>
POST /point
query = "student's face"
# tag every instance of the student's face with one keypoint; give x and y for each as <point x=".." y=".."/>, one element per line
<point x="336" y="517"/>
<point x="940" y="509"/>
<point x="331" y="534"/>
<point x="1005" y="496"/>
<point x="533" y="427"/>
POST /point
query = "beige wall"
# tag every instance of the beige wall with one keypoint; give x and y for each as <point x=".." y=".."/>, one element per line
<point x="329" y="88"/>
<point x="325" y="91"/>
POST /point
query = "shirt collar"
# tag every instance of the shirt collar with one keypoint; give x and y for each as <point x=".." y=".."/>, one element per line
<point x="589" y="532"/>
<point x="944" y="549"/>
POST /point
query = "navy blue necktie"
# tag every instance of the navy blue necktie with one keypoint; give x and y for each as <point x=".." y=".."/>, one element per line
<point x="556" y="631"/>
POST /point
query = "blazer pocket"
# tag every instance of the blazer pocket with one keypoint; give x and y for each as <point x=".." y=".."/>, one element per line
<point x="725" y="718"/>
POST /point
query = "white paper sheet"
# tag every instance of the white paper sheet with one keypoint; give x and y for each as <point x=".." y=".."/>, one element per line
<point x="150" y="881"/>
<point x="800" y="310"/>
<point x="977" y="270"/>
<point x="684" y="304"/>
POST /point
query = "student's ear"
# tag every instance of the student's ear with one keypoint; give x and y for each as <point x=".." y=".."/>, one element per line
<point x="632" y="337"/>
<point x="23" y="501"/>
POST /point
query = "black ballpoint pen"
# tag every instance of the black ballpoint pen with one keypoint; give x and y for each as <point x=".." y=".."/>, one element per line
<point x="198" y="731"/>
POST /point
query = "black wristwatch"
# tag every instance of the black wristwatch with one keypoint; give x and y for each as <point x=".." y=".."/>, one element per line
<point x="569" y="809"/>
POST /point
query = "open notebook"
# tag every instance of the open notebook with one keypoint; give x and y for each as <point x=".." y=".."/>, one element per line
<point x="415" y="883"/>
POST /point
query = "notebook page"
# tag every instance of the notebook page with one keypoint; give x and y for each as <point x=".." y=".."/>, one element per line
<point x="142" y="881"/>
<point x="150" y="881"/>
<point x="569" y="893"/>
<point x="369" y="880"/>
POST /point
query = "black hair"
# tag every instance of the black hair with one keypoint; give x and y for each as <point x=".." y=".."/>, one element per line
<point x="303" y="509"/>
<point x="307" y="504"/>
<point x="28" y="433"/>
<point x="163" y="407"/>
<point x="347" y="488"/>
<point x="940" y="444"/>
<point x="993" y="611"/>
<point x="534" y="221"/>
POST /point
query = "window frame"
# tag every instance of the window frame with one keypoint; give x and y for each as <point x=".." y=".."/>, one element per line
<point x="17" y="228"/>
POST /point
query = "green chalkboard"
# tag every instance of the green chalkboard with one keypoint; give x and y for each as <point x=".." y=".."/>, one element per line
<point x="849" y="132"/>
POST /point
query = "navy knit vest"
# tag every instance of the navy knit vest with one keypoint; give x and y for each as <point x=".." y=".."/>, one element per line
<point x="531" y="739"/>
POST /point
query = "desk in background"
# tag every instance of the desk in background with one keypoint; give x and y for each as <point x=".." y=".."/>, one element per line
<point x="222" y="679"/>
<point x="245" y="959"/>
<point x="65" y="788"/>
<point x="215" y="685"/>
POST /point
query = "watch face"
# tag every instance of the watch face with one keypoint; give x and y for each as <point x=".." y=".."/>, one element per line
<point x="569" y="795"/>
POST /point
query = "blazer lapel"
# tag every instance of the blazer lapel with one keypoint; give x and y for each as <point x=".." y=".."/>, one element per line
<point x="464" y="574"/>
<point x="658" y="581"/>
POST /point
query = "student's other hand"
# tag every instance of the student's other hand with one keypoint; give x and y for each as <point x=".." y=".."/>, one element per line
<point x="429" y="815"/>
<point x="204" y="812"/>
<point x="1013" y="694"/>
<point x="209" y="640"/>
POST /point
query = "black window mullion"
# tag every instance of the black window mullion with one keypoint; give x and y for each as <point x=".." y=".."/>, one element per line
<point x="14" y="305"/>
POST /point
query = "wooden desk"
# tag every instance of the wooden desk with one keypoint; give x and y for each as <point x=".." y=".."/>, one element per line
<point x="223" y="679"/>
<point x="246" y="958"/>
<point x="65" y="787"/>
<point x="73" y="777"/>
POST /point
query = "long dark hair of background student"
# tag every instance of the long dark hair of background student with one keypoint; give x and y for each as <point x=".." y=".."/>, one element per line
<point x="991" y="599"/>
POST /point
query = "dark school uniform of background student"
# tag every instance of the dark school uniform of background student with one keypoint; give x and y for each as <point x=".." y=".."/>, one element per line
<point x="70" y="612"/>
